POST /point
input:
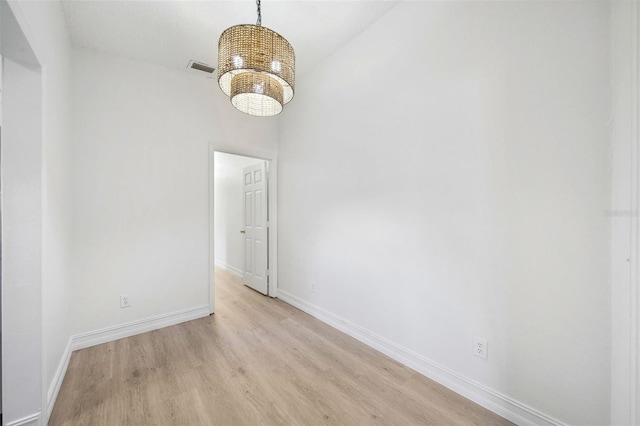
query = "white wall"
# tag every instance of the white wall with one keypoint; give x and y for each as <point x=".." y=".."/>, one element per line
<point x="141" y="185"/>
<point x="44" y="27"/>
<point x="229" y="249"/>
<point x="444" y="175"/>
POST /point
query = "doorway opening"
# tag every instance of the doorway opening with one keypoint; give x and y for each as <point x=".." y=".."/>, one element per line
<point x="242" y="220"/>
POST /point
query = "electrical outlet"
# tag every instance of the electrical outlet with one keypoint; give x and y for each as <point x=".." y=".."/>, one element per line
<point x="124" y="301"/>
<point x="479" y="348"/>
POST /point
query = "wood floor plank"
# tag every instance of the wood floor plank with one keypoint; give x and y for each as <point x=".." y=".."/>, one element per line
<point x="257" y="361"/>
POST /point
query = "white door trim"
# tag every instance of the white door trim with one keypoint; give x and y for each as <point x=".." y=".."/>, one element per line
<point x="625" y="244"/>
<point x="272" y="168"/>
<point x="635" y="231"/>
<point x="212" y="257"/>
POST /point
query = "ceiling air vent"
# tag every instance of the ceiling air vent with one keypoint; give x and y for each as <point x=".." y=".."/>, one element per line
<point x="199" y="66"/>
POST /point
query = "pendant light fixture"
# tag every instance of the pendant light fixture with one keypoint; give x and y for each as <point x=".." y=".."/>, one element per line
<point x="256" y="68"/>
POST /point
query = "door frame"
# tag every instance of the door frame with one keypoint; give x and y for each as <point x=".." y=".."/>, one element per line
<point x="625" y="231"/>
<point x="272" y="199"/>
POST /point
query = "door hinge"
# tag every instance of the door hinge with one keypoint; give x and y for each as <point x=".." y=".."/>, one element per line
<point x="266" y="273"/>
<point x="268" y="224"/>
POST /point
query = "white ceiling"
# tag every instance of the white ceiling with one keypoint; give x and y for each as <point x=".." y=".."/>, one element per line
<point x="171" y="33"/>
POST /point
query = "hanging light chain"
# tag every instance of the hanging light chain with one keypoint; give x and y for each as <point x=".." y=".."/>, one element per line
<point x="259" y="21"/>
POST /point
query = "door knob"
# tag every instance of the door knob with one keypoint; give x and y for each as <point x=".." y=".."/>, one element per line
<point x="242" y="232"/>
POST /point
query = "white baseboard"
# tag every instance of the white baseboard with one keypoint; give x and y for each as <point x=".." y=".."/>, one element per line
<point x="488" y="398"/>
<point x="108" y="334"/>
<point x="33" y="419"/>
<point x="229" y="267"/>
<point x="56" y="383"/>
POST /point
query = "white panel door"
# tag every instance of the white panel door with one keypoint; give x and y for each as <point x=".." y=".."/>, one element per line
<point x="254" y="273"/>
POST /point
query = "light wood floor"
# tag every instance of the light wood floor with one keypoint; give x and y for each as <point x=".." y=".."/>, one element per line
<point x="257" y="361"/>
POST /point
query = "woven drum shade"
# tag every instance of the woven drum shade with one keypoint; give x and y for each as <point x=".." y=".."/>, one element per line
<point x="269" y="62"/>
<point x="256" y="94"/>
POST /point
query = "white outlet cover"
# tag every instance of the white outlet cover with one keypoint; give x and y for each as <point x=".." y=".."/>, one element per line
<point x="125" y="302"/>
<point x="480" y="347"/>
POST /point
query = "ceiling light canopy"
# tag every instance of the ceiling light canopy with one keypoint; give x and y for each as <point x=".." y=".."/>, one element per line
<point x="256" y="68"/>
